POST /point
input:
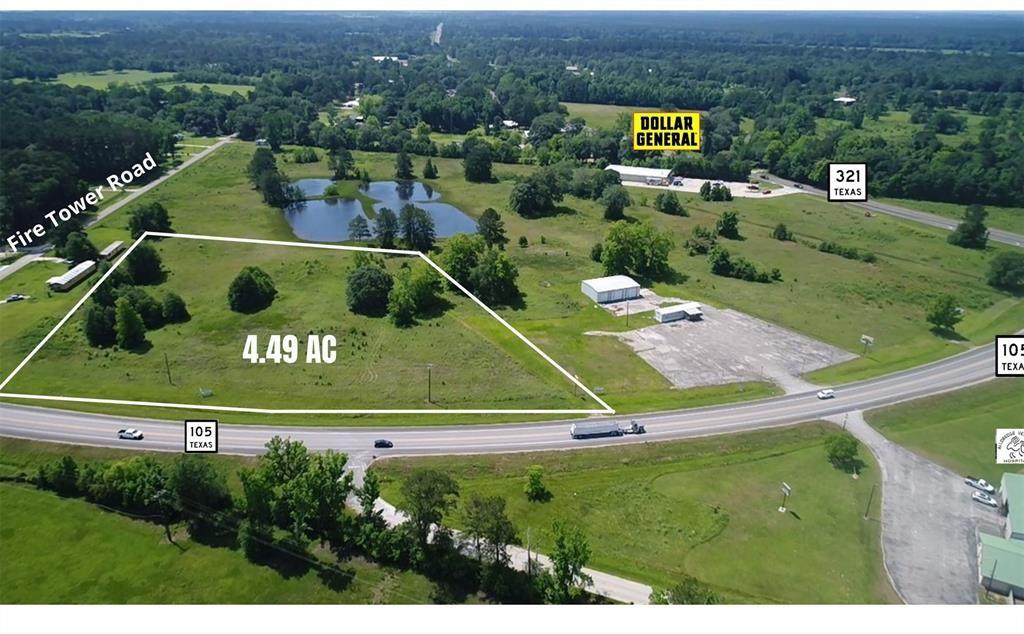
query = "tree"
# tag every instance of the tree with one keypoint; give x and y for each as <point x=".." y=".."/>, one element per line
<point x="403" y="166"/>
<point x="569" y="556"/>
<point x="702" y="239"/>
<point x="490" y="527"/>
<point x="615" y="199"/>
<point x="358" y="229"/>
<point x="151" y="217"/>
<point x="368" y="495"/>
<point x="1006" y="271"/>
<point x="971" y="233"/>
<point x="668" y="203"/>
<point x="535" y="489"/>
<point x="276" y="190"/>
<point x="782" y="232"/>
<point x="596" y="252"/>
<point x="402" y="305"/>
<point x="386" y="227"/>
<point x="284" y="460"/>
<point x="128" y="326"/>
<point x="262" y="161"/>
<point x="523" y="242"/>
<point x="340" y="162"/>
<point x="492" y="228"/>
<point x="328" y="484"/>
<point x="99" y="325"/>
<point x="944" y="314"/>
<point x="728" y="225"/>
<point x="60" y="477"/>
<point x="427" y="495"/>
<point x="841" y="450"/>
<point x="529" y="199"/>
<point x="251" y="290"/>
<point x="144" y="265"/>
<point x="636" y="248"/>
<point x="78" y="248"/>
<point x="493" y="279"/>
<point x="461" y="255"/>
<point x="368" y="288"/>
<point x="145" y="305"/>
<point x="199" y="491"/>
<point x="174" y="309"/>
<point x="477" y="164"/>
<point x="689" y="591"/>
<point x="417" y="228"/>
<point x="429" y="171"/>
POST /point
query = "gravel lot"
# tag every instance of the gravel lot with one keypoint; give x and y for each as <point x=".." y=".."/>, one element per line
<point x="728" y="346"/>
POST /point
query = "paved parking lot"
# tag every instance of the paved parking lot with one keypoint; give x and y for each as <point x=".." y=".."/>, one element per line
<point x="728" y="346"/>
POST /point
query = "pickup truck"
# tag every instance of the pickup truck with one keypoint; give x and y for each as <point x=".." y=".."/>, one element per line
<point x="980" y="484"/>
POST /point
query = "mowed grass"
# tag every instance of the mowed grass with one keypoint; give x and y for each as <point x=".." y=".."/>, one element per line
<point x="62" y="550"/>
<point x="896" y="126"/>
<point x="705" y="507"/>
<point x="957" y="429"/>
<point x="379" y="365"/>
<point x="1006" y="218"/>
<point x="101" y="80"/>
<point x="822" y="295"/>
<point x="602" y="115"/>
<point x="223" y="89"/>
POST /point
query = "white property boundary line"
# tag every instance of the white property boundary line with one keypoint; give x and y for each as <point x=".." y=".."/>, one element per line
<point x="607" y="409"/>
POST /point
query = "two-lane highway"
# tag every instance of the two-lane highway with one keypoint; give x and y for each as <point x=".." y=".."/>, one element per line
<point x="80" y="428"/>
<point x="923" y="217"/>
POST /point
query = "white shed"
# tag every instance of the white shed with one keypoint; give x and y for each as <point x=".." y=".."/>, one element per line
<point x="690" y="311"/>
<point x="615" y="288"/>
<point x="70" y="279"/>
<point x="111" y="250"/>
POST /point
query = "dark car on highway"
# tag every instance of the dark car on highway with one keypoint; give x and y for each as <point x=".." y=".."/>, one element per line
<point x="383" y="444"/>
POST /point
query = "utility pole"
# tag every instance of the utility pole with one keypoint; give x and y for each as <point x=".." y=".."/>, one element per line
<point x="870" y="498"/>
<point x="430" y="367"/>
<point x="167" y="367"/>
<point x="627" y="313"/>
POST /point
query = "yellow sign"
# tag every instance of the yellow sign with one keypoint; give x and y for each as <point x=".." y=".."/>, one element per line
<point x="666" y="131"/>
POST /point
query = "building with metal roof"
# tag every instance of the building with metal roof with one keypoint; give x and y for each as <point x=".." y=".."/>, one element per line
<point x="1001" y="565"/>
<point x="1011" y="497"/>
<point x="628" y="173"/>
<point x="70" y="279"/>
<point x="615" y="288"/>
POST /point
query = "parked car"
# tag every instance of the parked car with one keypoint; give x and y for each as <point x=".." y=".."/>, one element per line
<point x="826" y="393"/>
<point x="985" y="499"/>
<point x="798" y="185"/>
<point x="980" y="484"/>
<point x="16" y="297"/>
<point x="130" y="434"/>
<point x="383" y="444"/>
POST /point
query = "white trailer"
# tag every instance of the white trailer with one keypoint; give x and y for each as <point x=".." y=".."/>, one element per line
<point x="111" y="250"/>
<point x="690" y="311"/>
<point x="595" y="429"/>
<point x="70" y="279"/>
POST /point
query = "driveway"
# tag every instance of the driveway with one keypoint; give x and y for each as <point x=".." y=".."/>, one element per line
<point x="928" y="522"/>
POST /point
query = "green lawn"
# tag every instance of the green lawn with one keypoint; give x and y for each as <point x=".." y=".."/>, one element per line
<point x="602" y="115"/>
<point x="822" y="295"/>
<point x="103" y="79"/>
<point x="1006" y="218"/>
<point x="705" y="507"/>
<point x="224" y="89"/>
<point x="957" y="429"/>
<point x="896" y="126"/>
<point x="380" y="366"/>
<point x="61" y="550"/>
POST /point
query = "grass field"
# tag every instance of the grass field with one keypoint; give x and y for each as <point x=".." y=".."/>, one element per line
<point x="224" y="89"/>
<point x="822" y="295"/>
<point x="380" y="366"/>
<point x="957" y="429"/>
<point x="1006" y="218"/>
<point x="104" y="79"/>
<point x="706" y="507"/>
<point x="602" y="115"/>
<point x="896" y="125"/>
<point x="61" y="550"/>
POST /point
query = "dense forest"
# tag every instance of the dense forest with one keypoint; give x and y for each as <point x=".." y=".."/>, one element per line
<point x="779" y="72"/>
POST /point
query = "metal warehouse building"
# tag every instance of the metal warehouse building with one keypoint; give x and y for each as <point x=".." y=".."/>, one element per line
<point x="631" y="174"/>
<point x="616" y="288"/>
<point x="690" y="311"/>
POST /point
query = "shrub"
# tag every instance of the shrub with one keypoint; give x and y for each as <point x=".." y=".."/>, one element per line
<point x="595" y="252"/>
<point x="523" y="242"/>
<point x="668" y="203"/>
<point x="1006" y="271"/>
<point x="782" y="232"/>
<point x="144" y="265"/>
<point x="174" y="309"/>
<point x="151" y="217"/>
<point x="368" y="289"/>
<point x="251" y="290"/>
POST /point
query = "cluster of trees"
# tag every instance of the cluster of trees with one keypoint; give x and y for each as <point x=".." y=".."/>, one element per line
<point x="971" y="233"/>
<point x="1006" y="271"/>
<point x="121" y="311"/>
<point x="482" y="267"/>
<point x="727" y="265"/>
<point x="668" y="203"/>
<point x="372" y="290"/>
<point x="715" y="192"/>
<point x="265" y="176"/>
<point x="850" y="253"/>
<point x="636" y="248"/>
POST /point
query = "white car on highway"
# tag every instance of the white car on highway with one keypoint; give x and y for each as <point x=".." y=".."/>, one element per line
<point x="130" y="434"/>
<point x="985" y="499"/>
<point x="826" y="394"/>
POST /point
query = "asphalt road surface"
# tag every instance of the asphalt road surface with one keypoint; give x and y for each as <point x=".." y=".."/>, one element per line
<point x="922" y="217"/>
<point x="964" y="369"/>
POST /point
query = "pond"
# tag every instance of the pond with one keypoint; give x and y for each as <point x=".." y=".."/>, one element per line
<point x="326" y="220"/>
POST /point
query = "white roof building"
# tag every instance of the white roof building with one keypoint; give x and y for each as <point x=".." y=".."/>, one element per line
<point x="630" y="173"/>
<point x="845" y="100"/>
<point x="614" y="288"/>
<point x="72" y="277"/>
<point x="112" y="249"/>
